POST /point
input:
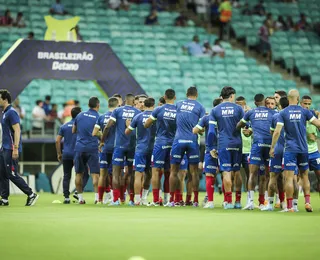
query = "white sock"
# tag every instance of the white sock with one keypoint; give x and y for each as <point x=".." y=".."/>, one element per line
<point x="251" y="195"/>
<point x="270" y="199"/>
<point x="96" y="196"/>
<point x="160" y="193"/>
<point x="80" y="196"/>
<point x="266" y="196"/>
<point x="295" y="203"/>
<point x="166" y="196"/>
<point x="144" y="194"/>
<point x="277" y="198"/>
<point x="137" y="198"/>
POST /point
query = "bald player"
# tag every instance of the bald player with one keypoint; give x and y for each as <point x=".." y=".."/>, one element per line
<point x="294" y="119"/>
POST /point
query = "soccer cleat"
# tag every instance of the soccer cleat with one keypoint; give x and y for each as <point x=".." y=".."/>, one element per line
<point x="99" y="203"/>
<point x="170" y="204"/>
<point x="177" y="204"/>
<point x="161" y="201"/>
<point x="195" y="204"/>
<point x="115" y="203"/>
<point x="295" y="208"/>
<point x="137" y="204"/>
<point x="96" y="202"/>
<point x="209" y="205"/>
<point x="182" y="203"/>
<point x="205" y="200"/>
<point x="108" y="198"/>
<point x="277" y="206"/>
<point x="261" y="206"/>
<point x="4" y="203"/>
<point x="267" y="208"/>
<point x="82" y="202"/>
<point x="66" y="201"/>
<point x="188" y="203"/>
<point x="144" y="202"/>
<point x="308" y="207"/>
<point x="237" y="205"/>
<point x="287" y="210"/>
<point x="249" y="206"/>
<point x="75" y="195"/>
<point x="131" y="203"/>
<point x="154" y="204"/>
<point x="31" y="200"/>
<point x="224" y="204"/>
<point x="228" y="206"/>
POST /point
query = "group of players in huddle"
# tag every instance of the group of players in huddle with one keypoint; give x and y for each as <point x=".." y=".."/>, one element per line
<point x="132" y="145"/>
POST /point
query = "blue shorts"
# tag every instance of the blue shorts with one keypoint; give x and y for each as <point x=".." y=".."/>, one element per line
<point x="314" y="161"/>
<point x="294" y="160"/>
<point x="259" y="155"/>
<point x="82" y="160"/>
<point x="184" y="163"/>
<point x="106" y="161"/>
<point x="142" y="162"/>
<point x="210" y="164"/>
<point x="276" y="163"/>
<point x="190" y="148"/>
<point x="161" y="156"/>
<point x="229" y="159"/>
<point x="122" y="157"/>
<point x="245" y="160"/>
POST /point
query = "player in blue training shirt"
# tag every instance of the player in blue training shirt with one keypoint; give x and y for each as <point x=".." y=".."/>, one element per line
<point x="86" y="148"/>
<point x="276" y="161"/>
<point x="107" y="151"/>
<point x="144" y="147"/>
<point x="293" y="119"/>
<point x="210" y="163"/>
<point x="226" y="116"/>
<point x="260" y="119"/>
<point x="189" y="113"/>
<point x="67" y="156"/>
<point x="124" y="145"/>
<point x="11" y="144"/>
<point x="165" y="118"/>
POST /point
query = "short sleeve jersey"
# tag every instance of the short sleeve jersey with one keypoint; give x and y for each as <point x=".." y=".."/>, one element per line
<point x="69" y="140"/>
<point x="10" y="117"/>
<point x="204" y="123"/>
<point x="109" y="142"/>
<point x="278" y="149"/>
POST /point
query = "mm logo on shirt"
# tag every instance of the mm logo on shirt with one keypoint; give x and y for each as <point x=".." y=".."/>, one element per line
<point x="169" y="114"/>
<point x="295" y="116"/>
<point x="227" y="112"/>
<point x="128" y="114"/>
<point x="187" y="107"/>
<point x="261" y="115"/>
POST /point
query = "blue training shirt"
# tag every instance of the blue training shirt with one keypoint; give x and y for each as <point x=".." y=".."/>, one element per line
<point x="145" y="136"/>
<point x="109" y="142"/>
<point x="166" y="123"/>
<point x="119" y="116"/>
<point x="10" y="117"/>
<point x="204" y="123"/>
<point x="260" y="119"/>
<point x="189" y="113"/>
<point x="278" y="149"/>
<point x="225" y="116"/>
<point x="85" y="122"/>
<point x="69" y="140"/>
<point x="294" y="119"/>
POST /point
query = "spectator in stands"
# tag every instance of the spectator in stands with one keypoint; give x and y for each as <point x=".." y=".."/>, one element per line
<point x="225" y="10"/>
<point x="6" y="20"/>
<point x="181" y="20"/>
<point x="16" y="105"/>
<point x="236" y="4"/>
<point x="259" y="9"/>
<point x="30" y="36"/>
<point x="265" y="47"/>
<point x="207" y="50"/>
<point x="280" y="24"/>
<point x="58" y="8"/>
<point x="118" y="5"/>
<point x="290" y="23"/>
<point x="193" y="48"/>
<point x="201" y="7"/>
<point x="77" y="103"/>
<point x="52" y="116"/>
<point x="270" y="23"/>
<point x="214" y="12"/>
<point x="246" y="10"/>
<point x="19" y="22"/>
<point x="152" y="18"/>
<point x="302" y="24"/>
<point x="217" y="49"/>
<point x="38" y="116"/>
<point x="47" y="105"/>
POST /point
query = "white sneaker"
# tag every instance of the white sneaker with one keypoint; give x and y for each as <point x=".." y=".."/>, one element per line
<point x="261" y="206"/>
<point x="108" y="198"/>
<point x="267" y="208"/>
<point x="295" y="208"/>
<point x="249" y="206"/>
<point x="154" y="204"/>
<point x="209" y="205"/>
<point x="144" y="202"/>
<point x="286" y="210"/>
<point x="224" y="204"/>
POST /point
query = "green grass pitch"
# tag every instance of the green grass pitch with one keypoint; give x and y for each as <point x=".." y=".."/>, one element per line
<point x="57" y="231"/>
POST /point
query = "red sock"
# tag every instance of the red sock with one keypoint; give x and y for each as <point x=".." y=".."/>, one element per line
<point x="171" y="196"/>
<point x="121" y="193"/>
<point x="107" y="189"/>
<point x="209" y="187"/>
<point x="261" y="199"/>
<point x="155" y="195"/>
<point x="166" y="182"/>
<point x="289" y="203"/>
<point x="224" y="193"/>
<point x="188" y="198"/>
<point x="281" y="196"/>
<point x="116" y="195"/>
<point x="238" y="196"/>
<point x="228" y="196"/>
<point x="177" y="195"/>
<point x="100" y="192"/>
<point x="307" y="198"/>
<point x="196" y="196"/>
<point x="131" y="195"/>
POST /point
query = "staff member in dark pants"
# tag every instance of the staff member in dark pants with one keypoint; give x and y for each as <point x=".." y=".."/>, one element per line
<point x="11" y="148"/>
<point x="66" y="157"/>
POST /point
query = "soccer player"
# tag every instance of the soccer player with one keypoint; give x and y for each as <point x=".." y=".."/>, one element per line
<point x="279" y="94"/>
<point x="271" y="102"/>
<point x="260" y="119"/>
<point x="66" y="157"/>
<point x="312" y="133"/>
<point x="293" y="119"/>
<point x="119" y="97"/>
<point x="124" y="147"/>
<point x="144" y="147"/>
<point x="161" y="102"/>
<point x="107" y="151"/>
<point x="210" y="163"/>
<point x="165" y="118"/>
<point x="276" y="161"/>
<point x="86" y="148"/>
<point x="12" y="146"/>
<point x="189" y="113"/>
